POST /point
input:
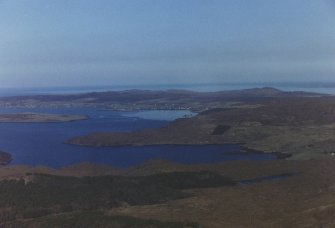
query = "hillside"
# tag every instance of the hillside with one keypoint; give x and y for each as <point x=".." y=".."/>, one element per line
<point x="164" y="194"/>
<point x="301" y="126"/>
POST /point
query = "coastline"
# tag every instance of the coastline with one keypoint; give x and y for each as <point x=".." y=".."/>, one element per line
<point x="243" y="149"/>
<point x="39" y="118"/>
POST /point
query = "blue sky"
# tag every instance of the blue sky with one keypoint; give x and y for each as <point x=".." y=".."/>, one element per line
<point x="118" y="42"/>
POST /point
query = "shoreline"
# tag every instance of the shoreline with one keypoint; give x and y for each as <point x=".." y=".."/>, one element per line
<point x="40" y="118"/>
<point x="243" y="149"/>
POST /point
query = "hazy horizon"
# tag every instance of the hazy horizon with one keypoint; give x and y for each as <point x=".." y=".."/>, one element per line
<point x="316" y="87"/>
<point x="47" y="43"/>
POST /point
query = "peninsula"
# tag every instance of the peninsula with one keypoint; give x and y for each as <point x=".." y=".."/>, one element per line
<point x="38" y="118"/>
<point x="299" y="124"/>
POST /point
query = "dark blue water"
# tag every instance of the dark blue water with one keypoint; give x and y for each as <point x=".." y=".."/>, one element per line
<point x="42" y="143"/>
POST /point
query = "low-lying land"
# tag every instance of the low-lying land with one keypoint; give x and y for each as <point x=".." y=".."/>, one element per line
<point x="38" y="118"/>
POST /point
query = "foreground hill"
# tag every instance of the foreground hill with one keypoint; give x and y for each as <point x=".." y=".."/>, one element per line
<point x="161" y="194"/>
<point x="34" y="199"/>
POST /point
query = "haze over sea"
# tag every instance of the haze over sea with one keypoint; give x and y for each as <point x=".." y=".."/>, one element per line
<point x="317" y="87"/>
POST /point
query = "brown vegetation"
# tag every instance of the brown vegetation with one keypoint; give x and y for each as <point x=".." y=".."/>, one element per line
<point x="303" y="127"/>
<point x="305" y="199"/>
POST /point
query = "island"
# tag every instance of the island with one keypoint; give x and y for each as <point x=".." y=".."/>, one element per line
<point x="39" y="118"/>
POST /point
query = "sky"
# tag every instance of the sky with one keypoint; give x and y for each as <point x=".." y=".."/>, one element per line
<point x="47" y="43"/>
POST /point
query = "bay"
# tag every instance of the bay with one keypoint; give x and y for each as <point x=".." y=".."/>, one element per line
<point x="43" y="143"/>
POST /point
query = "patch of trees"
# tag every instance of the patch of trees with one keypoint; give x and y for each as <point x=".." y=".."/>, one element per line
<point x="220" y="129"/>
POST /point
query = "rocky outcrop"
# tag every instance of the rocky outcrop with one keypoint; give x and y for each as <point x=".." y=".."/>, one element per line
<point x="5" y="158"/>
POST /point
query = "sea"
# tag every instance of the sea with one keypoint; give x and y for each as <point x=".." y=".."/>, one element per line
<point x="42" y="144"/>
